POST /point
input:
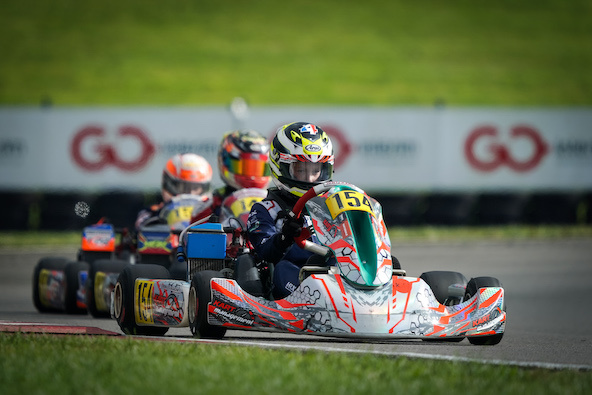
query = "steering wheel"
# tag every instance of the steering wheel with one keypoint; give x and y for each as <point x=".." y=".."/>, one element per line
<point x="301" y="241"/>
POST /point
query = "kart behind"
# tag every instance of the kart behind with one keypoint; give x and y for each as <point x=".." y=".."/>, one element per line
<point x="353" y="288"/>
<point x="84" y="284"/>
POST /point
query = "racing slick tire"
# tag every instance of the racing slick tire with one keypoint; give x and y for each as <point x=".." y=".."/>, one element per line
<point x="440" y="280"/>
<point x="76" y="273"/>
<point x="199" y="297"/>
<point x="472" y="287"/>
<point x="123" y="298"/>
<point x="178" y="270"/>
<point x="100" y="267"/>
<point x="49" y="263"/>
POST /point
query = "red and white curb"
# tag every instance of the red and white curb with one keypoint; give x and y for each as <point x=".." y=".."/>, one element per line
<point x="36" y="327"/>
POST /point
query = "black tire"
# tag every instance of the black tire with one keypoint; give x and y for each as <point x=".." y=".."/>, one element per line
<point x="49" y="263"/>
<point x="74" y="272"/>
<point x="472" y="287"/>
<point x="396" y="263"/>
<point x="106" y="266"/>
<point x="439" y="281"/>
<point x="155" y="259"/>
<point x="178" y="270"/>
<point x="123" y="299"/>
<point x="247" y="275"/>
<point x="199" y="297"/>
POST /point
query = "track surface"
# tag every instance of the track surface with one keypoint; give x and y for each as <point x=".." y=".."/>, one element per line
<point x="548" y="288"/>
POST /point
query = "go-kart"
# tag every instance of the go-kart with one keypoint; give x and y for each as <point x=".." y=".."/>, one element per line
<point x="213" y="245"/>
<point x="85" y="284"/>
<point x="355" y="292"/>
<point x="156" y="242"/>
<point x="60" y="284"/>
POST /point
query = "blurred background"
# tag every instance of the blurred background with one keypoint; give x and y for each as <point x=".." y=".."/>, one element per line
<point x="450" y="113"/>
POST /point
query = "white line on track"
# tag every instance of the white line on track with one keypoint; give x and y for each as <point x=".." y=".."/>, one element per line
<point x="540" y="365"/>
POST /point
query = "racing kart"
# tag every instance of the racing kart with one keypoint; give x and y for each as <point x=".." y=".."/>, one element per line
<point x="352" y="290"/>
<point x="213" y="245"/>
<point x="85" y="284"/>
<point x="155" y="243"/>
<point x="60" y="284"/>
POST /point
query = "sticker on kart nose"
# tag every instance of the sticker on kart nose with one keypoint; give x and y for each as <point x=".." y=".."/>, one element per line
<point x="348" y="200"/>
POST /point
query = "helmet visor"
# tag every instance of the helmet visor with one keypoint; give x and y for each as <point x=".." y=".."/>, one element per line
<point x="178" y="187"/>
<point x="248" y="165"/>
<point x="306" y="171"/>
<point x="194" y="188"/>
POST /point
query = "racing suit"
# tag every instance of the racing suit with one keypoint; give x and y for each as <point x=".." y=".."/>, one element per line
<point x="147" y="213"/>
<point x="264" y="231"/>
<point x="218" y="197"/>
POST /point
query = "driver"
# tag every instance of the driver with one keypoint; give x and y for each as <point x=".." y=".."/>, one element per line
<point x="182" y="174"/>
<point x="242" y="163"/>
<point x="301" y="157"/>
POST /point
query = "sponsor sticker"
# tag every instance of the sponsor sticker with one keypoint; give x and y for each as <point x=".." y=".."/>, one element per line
<point x="143" y="293"/>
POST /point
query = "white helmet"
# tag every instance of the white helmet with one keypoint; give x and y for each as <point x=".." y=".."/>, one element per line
<point x="301" y="157"/>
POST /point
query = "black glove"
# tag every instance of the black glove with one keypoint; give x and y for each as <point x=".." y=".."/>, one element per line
<point x="291" y="229"/>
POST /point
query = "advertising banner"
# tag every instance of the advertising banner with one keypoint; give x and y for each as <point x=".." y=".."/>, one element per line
<point x="386" y="149"/>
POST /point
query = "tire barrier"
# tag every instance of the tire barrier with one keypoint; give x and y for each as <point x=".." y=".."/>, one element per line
<point x="59" y="211"/>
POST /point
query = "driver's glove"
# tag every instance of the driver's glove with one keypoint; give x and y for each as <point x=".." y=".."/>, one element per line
<point x="290" y="229"/>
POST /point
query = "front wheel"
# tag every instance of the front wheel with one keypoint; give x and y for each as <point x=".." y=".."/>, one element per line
<point x="472" y="287"/>
<point x="440" y="281"/>
<point x="199" y="298"/>
<point x="100" y="284"/>
<point x="123" y="298"/>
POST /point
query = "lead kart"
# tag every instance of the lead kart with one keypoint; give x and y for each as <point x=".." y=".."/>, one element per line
<point x="359" y="293"/>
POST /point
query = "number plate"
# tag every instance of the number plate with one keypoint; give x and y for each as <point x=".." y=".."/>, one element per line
<point x="348" y="200"/>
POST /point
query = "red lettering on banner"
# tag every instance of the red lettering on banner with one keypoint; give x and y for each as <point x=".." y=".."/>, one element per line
<point x="501" y="155"/>
<point x="107" y="153"/>
<point x="344" y="146"/>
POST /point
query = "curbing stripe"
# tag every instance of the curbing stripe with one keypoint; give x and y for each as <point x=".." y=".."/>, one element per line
<point x="35" y="327"/>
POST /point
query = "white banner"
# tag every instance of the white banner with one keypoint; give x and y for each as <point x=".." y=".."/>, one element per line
<point x="378" y="148"/>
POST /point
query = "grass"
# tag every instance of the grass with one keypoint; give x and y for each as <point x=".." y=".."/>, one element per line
<point x="338" y="52"/>
<point x="47" y="364"/>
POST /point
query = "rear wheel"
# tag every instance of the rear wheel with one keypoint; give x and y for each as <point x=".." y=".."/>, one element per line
<point x="98" y="273"/>
<point x="49" y="263"/>
<point x="472" y="287"/>
<point x="199" y="297"/>
<point x="123" y="298"/>
<point x="76" y="273"/>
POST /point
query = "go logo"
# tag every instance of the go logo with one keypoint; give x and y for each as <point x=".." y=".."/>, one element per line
<point x="107" y="154"/>
<point x="500" y="154"/>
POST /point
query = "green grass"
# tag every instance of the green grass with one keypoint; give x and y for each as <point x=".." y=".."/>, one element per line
<point x="35" y="364"/>
<point x="343" y="52"/>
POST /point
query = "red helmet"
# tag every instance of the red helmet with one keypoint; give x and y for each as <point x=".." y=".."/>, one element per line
<point x="186" y="173"/>
<point x="242" y="160"/>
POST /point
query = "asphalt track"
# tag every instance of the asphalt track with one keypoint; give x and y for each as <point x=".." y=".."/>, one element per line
<point x="548" y="287"/>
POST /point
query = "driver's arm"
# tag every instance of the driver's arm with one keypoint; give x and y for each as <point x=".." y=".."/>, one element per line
<point x="263" y="233"/>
